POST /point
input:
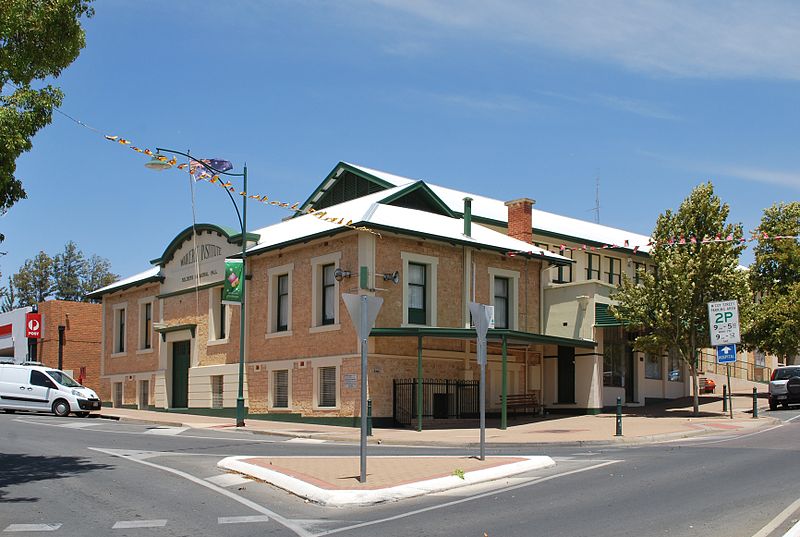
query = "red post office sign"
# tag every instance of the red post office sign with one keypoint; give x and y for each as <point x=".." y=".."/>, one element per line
<point x="33" y="325"/>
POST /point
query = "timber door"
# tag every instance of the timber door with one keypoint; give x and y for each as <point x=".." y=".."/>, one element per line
<point x="566" y="375"/>
<point x="180" y="374"/>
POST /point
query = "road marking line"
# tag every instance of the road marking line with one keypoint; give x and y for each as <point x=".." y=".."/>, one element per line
<point x="79" y="425"/>
<point x="778" y="520"/>
<point x="297" y="529"/>
<point x="128" y="524"/>
<point x="463" y="500"/>
<point x="31" y="527"/>
<point x="305" y="441"/>
<point x="167" y="431"/>
<point x="230" y="438"/>
<point x="228" y="480"/>
<point x="242" y="519"/>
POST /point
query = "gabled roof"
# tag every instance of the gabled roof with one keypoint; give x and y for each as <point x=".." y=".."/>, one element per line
<point x="494" y="212"/>
<point x="370" y="211"/>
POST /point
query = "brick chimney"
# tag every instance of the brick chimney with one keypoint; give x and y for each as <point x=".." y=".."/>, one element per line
<point x="520" y="219"/>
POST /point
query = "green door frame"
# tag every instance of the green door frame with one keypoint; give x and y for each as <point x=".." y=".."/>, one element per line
<point x="180" y="374"/>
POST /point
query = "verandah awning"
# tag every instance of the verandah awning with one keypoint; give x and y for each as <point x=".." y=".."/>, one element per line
<point x="505" y="336"/>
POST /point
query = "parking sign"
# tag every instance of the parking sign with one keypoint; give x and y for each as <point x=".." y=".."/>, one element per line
<point x="723" y="322"/>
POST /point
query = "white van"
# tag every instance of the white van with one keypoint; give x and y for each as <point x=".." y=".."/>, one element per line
<point x="39" y="388"/>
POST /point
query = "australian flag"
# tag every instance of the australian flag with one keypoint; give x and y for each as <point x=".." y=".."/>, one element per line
<point x="198" y="171"/>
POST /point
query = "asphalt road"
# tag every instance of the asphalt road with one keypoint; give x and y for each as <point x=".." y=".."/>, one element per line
<point x="78" y="477"/>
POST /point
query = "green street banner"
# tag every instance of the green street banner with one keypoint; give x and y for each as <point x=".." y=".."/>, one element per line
<point x="234" y="276"/>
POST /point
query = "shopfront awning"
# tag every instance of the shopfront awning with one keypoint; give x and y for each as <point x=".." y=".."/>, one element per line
<point x="513" y="337"/>
<point x="504" y="336"/>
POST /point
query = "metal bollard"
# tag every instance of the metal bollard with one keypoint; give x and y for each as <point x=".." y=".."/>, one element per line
<point x="755" y="402"/>
<point x="724" y="398"/>
<point x="369" y="417"/>
<point x="619" y="417"/>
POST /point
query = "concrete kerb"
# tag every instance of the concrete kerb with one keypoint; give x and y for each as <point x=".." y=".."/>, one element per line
<point x="352" y="497"/>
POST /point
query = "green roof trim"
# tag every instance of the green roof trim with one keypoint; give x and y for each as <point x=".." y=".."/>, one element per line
<point x="421" y="188"/>
<point x="497" y="334"/>
<point x="232" y="236"/>
<point x="335" y="173"/>
<point x="604" y="318"/>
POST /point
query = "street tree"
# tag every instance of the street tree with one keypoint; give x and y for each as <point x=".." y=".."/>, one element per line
<point x="775" y="279"/>
<point x="69" y="273"/>
<point x="38" y="39"/>
<point x="97" y="274"/>
<point x="33" y="283"/>
<point x="696" y="255"/>
<point x="7" y="299"/>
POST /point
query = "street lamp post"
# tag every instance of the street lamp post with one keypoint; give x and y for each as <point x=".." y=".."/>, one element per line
<point x="158" y="164"/>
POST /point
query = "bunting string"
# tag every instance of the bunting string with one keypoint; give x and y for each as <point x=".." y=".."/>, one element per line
<point x="204" y="175"/>
<point x="228" y="185"/>
<point x="755" y="235"/>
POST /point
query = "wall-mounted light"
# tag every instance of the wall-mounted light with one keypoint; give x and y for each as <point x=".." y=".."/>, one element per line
<point x="393" y="277"/>
<point x="340" y="274"/>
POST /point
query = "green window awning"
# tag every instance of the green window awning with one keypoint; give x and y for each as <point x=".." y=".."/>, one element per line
<point x="603" y="317"/>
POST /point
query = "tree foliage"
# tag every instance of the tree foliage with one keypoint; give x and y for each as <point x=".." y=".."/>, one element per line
<point x="33" y="283"/>
<point x="775" y="278"/>
<point x="69" y="273"/>
<point x="67" y="276"/>
<point x="38" y="39"/>
<point x="97" y="274"/>
<point x="670" y="307"/>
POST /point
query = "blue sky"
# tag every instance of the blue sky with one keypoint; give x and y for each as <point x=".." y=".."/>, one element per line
<point x="506" y="99"/>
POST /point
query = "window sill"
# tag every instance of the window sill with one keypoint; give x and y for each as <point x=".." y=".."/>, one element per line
<point x="324" y="408"/>
<point x="324" y="328"/>
<point x="280" y="409"/>
<point x="273" y="335"/>
<point x="118" y="354"/>
<point x="144" y="351"/>
<point x="215" y="342"/>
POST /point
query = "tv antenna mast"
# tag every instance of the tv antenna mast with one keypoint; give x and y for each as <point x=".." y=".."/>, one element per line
<point x="596" y="199"/>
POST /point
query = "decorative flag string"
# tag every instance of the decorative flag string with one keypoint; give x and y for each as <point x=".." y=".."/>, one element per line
<point x="202" y="174"/>
<point x="673" y="241"/>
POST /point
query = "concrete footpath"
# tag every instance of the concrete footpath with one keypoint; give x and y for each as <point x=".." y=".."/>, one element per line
<point x="334" y="481"/>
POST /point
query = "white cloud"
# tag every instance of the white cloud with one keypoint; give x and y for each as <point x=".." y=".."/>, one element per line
<point x="761" y="175"/>
<point x="489" y="104"/>
<point x="711" y="39"/>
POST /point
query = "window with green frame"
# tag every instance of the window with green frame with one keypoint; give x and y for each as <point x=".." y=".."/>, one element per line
<point x="592" y="266"/>
<point x="283" y="303"/>
<point x="614" y="272"/>
<point x="417" y="293"/>
<point x="501" y="300"/>
<point x="563" y="274"/>
<point x="328" y="294"/>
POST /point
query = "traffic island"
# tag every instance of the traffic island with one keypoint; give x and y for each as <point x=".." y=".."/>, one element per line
<point x="334" y="481"/>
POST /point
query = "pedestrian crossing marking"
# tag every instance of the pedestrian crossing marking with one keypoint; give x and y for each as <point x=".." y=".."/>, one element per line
<point x="242" y="519"/>
<point x="129" y="524"/>
<point x="31" y="527"/>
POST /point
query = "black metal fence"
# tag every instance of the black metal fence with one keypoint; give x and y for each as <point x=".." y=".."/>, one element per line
<point x="441" y="399"/>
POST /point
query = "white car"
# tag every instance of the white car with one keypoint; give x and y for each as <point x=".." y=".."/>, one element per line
<point x="39" y="388"/>
<point x="784" y="386"/>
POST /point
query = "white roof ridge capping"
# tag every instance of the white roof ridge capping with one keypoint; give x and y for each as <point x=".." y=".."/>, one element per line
<point x="547" y="222"/>
<point x="367" y="211"/>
